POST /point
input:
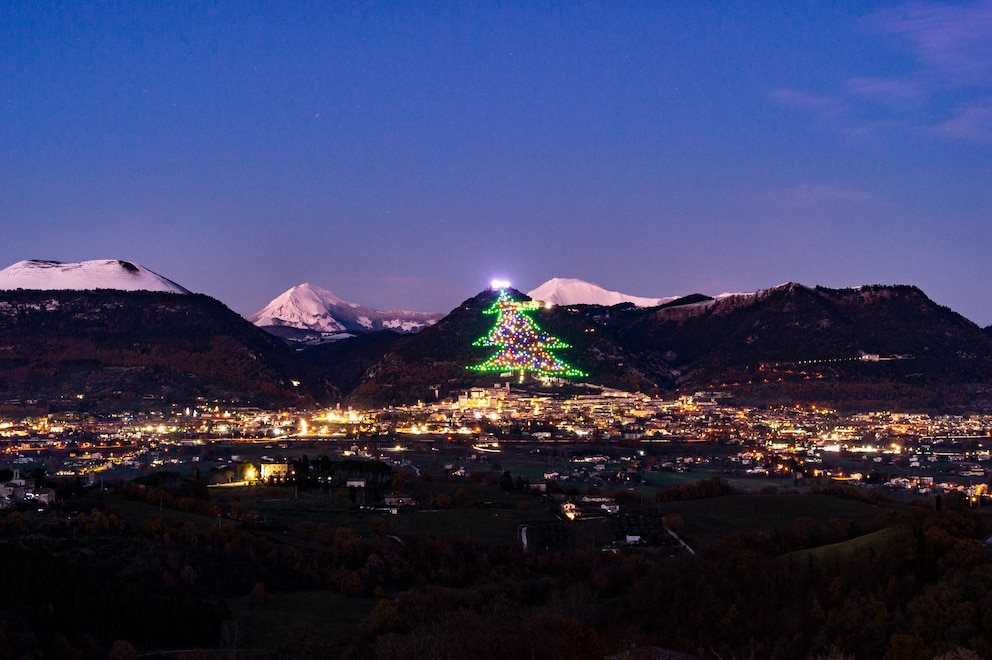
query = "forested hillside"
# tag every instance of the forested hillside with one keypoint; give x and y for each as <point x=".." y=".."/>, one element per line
<point x="165" y="563"/>
<point x="124" y="349"/>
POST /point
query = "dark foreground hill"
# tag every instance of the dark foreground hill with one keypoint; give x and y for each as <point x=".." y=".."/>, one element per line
<point x="113" y="349"/>
<point x="865" y="347"/>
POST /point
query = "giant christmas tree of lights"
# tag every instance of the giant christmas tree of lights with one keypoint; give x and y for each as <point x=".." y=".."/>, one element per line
<point x="523" y="346"/>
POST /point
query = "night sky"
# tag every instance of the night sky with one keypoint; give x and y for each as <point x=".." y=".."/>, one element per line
<point x="404" y="154"/>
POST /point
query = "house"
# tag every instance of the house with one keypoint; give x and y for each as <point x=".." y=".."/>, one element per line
<point x="15" y="489"/>
<point x="19" y="489"/>
<point x="45" y="496"/>
<point x="399" y="501"/>
<point x="16" y="493"/>
<point x="273" y="471"/>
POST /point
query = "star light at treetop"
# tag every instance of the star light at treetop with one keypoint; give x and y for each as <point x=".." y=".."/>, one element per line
<point x="524" y="347"/>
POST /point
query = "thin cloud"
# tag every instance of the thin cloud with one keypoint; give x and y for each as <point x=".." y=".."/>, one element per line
<point x="953" y="40"/>
<point x="836" y="112"/>
<point x="884" y="89"/>
<point x="971" y="123"/>
<point x="951" y="80"/>
<point x="953" y="47"/>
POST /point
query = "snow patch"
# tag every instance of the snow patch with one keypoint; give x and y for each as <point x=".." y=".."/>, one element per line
<point x="571" y="291"/>
<point x="404" y="326"/>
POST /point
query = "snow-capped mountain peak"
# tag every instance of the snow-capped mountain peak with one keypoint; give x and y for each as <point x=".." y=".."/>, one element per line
<point x="309" y="307"/>
<point x="303" y="306"/>
<point x="84" y="276"/>
<point x="571" y="291"/>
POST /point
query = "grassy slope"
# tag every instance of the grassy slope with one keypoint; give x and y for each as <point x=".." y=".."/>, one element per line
<point x="846" y="550"/>
<point x="709" y="520"/>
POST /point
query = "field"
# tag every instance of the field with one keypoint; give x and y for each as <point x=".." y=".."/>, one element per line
<point x="136" y="512"/>
<point x="287" y="578"/>
<point x="709" y="520"/>
<point x="862" y="546"/>
<point x="492" y="517"/>
<point x="487" y="515"/>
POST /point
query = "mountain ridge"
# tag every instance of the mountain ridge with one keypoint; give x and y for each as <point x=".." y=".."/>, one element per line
<point x="864" y="346"/>
<point x="573" y="291"/>
<point x="860" y="346"/>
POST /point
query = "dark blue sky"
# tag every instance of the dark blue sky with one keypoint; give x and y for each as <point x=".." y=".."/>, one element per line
<point x="403" y="154"/>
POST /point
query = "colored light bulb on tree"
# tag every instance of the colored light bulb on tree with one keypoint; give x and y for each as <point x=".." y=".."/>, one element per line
<point x="523" y="346"/>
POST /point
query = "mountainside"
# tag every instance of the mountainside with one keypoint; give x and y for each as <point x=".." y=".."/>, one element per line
<point x="865" y="346"/>
<point x="84" y="276"/>
<point x="103" y="349"/>
<point x="311" y="308"/>
<point x="878" y="343"/>
<point x="99" y="350"/>
<point x="432" y="364"/>
<point x="570" y="291"/>
<point x="346" y="363"/>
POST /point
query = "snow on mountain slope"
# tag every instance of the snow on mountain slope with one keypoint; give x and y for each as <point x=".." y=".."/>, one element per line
<point x="84" y="276"/>
<point x="724" y="303"/>
<point x="570" y="291"/>
<point x="304" y="306"/>
<point x="310" y="307"/>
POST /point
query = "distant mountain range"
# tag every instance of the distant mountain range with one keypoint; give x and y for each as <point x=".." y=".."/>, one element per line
<point x="569" y="291"/>
<point x="111" y="333"/>
<point x="869" y="346"/>
<point x="307" y="312"/>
